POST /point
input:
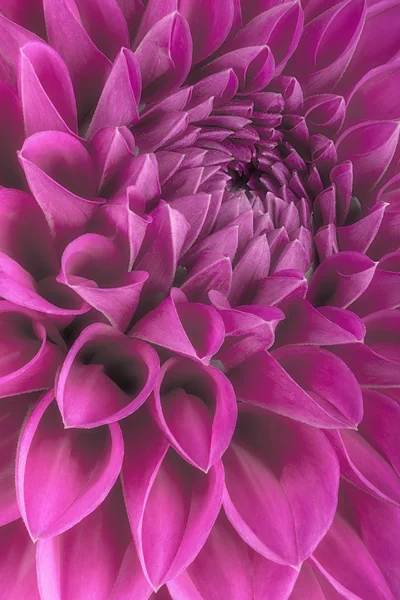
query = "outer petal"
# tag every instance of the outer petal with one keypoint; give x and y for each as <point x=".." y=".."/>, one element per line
<point x="12" y="414"/>
<point x="111" y="148"/>
<point x="190" y="329"/>
<point x="165" y="56"/>
<point x="302" y="383"/>
<point x="47" y="159"/>
<point x="17" y="564"/>
<point x="119" y="100"/>
<point x="105" y="377"/>
<point x="383" y="291"/>
<point x="161" y="488"/>
<point x="371" y="146"/>
<point x="87" y="464"/>
<point x="28" y="361"/>
<point x="270" y="467"/>
<point x="87" y="66"/>
<point x="84" y="562"/>
<point x="195" y="407"/>
<point x="341" y="279"/>
<point x="45" y="90"/>
<point x="354" y="579"/>
<point x="227" y="566"/>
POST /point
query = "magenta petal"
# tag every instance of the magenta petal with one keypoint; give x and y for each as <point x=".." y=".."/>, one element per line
<point x="131" y="582"/>
<point x="325" y="326"/>
<point x="119" y="100"/>
<point x="190" y="329"/>
<point x="13" y="413"/>
<point x="142" y="172"/>
<point x="13" y="37"/>
<point x="371" y="146"/>
<point x="46" y="90"/>
<point x="11" y="137"/>
<point x="253" y="266"/>
<point x="341" y="279"/>
<point x="77" y="564"/>
<point x="281" y="288"/>
<point x="165" y="56"/>
<point x="280" y="27"/>
<point x="325" y="113"/>
<point x="160" y="488"/>
<point x="352" y="577"/>
<point x="269" y="469"/>
<point x="94" y="267"/>
<point x="312" y="585"/>
<point x="194" y="209"/>
<point x="87" y="66"/>
<point x="28" y="361"/>
<point x="253" y="66"/>
<point x="383" y="291"/>
<point x="22" y="219"/>
<point x="226" y="566"/>
<point x="17" y="563"/>
<point x="161" y="248"/>
<point x="359" y="236"/>
<point x="202" y="398"/>
<point x="210" y="272"/>
<point x="86" y="462"/>
<point x="111" y="148"/>
<point x="105" y="377"/>
<point x="47" y="158"/>
<point x="290" y="383"/>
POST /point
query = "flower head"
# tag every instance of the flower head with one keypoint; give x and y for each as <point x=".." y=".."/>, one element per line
<point x="200" y="284"/>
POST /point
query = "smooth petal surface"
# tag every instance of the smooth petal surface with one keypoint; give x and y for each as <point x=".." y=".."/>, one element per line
<point x="302" y="383"/>
<point x="88" y="464"/>
<point x="278" y="460"/>
<point x="186" y="328"/>
<point x="204" y="400"/>
<point x="226" y="565"/>
<point x="105" y="377"/>
<point x="76" y="564"/>
<point x="159" y="487"/>
<point x="17" y="565"/>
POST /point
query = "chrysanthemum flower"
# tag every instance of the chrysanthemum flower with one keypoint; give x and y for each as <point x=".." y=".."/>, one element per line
<point x="200" y="284"/>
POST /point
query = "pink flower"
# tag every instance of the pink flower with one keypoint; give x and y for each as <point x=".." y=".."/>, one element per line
<point x="200" y="284"/>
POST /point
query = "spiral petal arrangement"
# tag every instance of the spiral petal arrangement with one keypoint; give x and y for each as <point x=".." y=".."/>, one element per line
<point x="199" y="299"/>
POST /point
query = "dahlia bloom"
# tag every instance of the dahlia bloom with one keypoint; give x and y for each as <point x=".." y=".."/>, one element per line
<point x="199" y="299"/>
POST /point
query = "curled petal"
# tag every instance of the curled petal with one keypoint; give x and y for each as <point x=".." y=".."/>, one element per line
<point x="142" y="172"/>
<point x="375" y="363"/>
<point x="359" y="236"/>
<point x="327" y="44"/>
<point x="325" y="113"/>
<point x="119" y="100"/>
<point x="253" y="266"/>
<point x="342" y="178"/>
<point x="194" y="209"/>
<point x="17" y="564"/>
<point x="210" y="272"/>
<point x="28" y="361"/>
<point x="95" y="269"/>
<point x="222" y="86"/>
<point x="87" y="65"/>
<point x="370" y="146"/>
<point x="46" y="91"/>
<point x="77" y="564"/>
<point x="105" y="377"/>
<point x="281" y="288"/>
<point x="248" y="329"/>
<point x="47" y="158"/>
<point x="187" y="328"/>
<point x="383" y="291"/>
<point x="226" y="565"/>
<point x="160" y="487"/>
<point x="24" y="233"/>
<point x="165" y="56"/>
<point x="201" y="397"/>
<point x="290" y="383"/>
<point x="387" y="238"/>
<point x="86" y="462"/>
<point x="341" y="279"/>
<point x="13" y="37"/>
<point x="280" y="27"/>
<point x="324" y="326"/>
<point x="161" y="248"/>
<point x="273" y="461"/>
<point x="253" y="66"/>
<point x="111" y="148"/>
